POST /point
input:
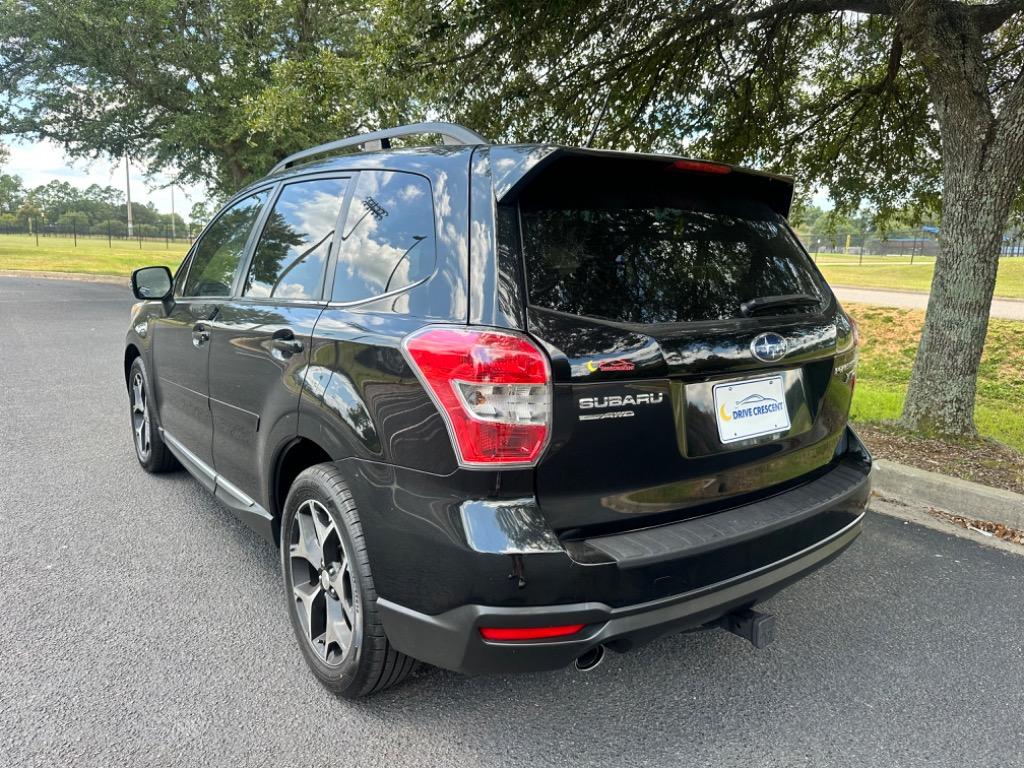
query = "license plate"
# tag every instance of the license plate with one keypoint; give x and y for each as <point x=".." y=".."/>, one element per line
<point x="745" y="409"/>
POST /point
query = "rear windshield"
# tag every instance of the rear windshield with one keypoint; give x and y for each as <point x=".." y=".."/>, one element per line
<point x="660" y="259"/>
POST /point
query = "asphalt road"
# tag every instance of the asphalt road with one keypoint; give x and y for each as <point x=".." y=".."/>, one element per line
<point x="142" y="625"/>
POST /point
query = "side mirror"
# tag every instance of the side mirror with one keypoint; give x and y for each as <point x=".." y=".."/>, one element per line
<point x="151" y="283"/>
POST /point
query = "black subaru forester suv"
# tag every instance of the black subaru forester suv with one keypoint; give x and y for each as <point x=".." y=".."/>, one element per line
<point x="503" y="407"/>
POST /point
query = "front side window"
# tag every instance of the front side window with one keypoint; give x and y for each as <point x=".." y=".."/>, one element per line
<point x="219" y="251"/>
<point x="388" y="237"/>
<point x="291" y="254"/>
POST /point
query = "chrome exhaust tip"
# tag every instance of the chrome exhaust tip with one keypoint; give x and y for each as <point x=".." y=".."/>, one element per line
<point x="591" y="659"/>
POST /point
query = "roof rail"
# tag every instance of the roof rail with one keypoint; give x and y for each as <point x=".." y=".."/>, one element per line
<point x="450" y="134"/>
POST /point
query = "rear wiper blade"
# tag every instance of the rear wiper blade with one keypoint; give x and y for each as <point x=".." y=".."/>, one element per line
<point x="754" y="306"/>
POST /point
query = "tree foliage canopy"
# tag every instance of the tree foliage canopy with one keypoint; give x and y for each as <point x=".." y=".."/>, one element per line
<point x="810" y="87"/>
<point x="186" y="87"/>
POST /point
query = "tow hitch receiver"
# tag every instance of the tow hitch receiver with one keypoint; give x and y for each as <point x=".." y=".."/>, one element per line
<point x="758" y="628"/>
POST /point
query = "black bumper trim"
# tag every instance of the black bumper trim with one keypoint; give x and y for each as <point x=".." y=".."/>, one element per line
<point x="452" y="640"/>
<point x="692" y="537"/>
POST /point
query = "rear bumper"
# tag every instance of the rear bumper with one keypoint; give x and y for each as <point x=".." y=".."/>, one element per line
<point x="449" y="558"/>
<point x="452" y="639"/>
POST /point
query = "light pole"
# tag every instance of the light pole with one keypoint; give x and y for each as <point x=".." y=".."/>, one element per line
<point x="172" y="212"/>
<point x="128" y="190"/>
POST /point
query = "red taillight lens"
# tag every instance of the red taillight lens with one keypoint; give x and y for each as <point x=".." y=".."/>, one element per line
<point x="492" y="387"/>
<point x="529" y="633"/>
<point x="700" y="166"/>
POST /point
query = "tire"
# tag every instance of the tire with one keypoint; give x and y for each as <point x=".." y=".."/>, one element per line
<point x="332" y="604"/>
<point x="153" y="454"/>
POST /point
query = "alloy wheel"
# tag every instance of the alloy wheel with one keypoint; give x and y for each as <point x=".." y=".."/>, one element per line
<point x="140" y="417"/>
<point x="322" y="584"/>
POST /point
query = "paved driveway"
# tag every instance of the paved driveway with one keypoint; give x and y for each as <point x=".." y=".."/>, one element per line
<point x="142" y="625"/>
<point x="1007" y="309"/>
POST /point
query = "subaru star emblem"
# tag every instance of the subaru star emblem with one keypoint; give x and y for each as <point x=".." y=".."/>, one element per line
<point x="768" y="347"/>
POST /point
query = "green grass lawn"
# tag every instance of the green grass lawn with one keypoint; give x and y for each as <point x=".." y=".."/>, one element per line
<point x="889" y="343"/>
<point x="91" y="256"/>
<point x="828" y="259"/>
<point x="897" y="273"/>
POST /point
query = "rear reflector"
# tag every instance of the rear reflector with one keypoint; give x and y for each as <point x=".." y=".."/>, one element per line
<point x="493" y="389"/>
<point x="528" y="633"/>
<point x="700" y="166"/>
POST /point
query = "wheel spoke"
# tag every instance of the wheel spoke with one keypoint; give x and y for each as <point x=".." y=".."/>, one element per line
<point x="323" y="522"/>
<point x="341" y="582"/>
<point x="307" y="547"/>
<point x="138" y="396"/>
<point x="305" y="601"/>
<point x="337" y="630"/>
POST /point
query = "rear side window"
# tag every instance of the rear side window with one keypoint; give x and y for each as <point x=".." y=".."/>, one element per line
<point x="388" y="237"/>
<point x="219" y="251"/>
<point x="660" y="258"/>
<point x="291" y="254"/>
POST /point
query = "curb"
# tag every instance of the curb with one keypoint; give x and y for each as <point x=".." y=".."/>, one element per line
<point x="80" y="276"/>
<point x="962" y="497"/>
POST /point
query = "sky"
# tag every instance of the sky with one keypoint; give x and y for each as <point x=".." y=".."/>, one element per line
<point x="43" y="161"/>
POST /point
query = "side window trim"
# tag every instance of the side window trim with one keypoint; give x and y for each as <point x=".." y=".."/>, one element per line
<point x="330" y="274"/>
<point x="248" y="243"/>
<point x="181" y="276"/>
<point x="250" y="248"/>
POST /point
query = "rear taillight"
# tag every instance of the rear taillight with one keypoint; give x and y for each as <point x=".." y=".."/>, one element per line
<point x="493" y="389"/>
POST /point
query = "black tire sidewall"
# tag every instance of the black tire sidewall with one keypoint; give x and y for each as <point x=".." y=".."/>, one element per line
<point x="346" y="677"/>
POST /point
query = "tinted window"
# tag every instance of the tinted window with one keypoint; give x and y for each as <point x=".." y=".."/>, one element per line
<point x="219" y="250"/>
<point x="388" y="236"/>
<point x="665" y="262"/>
<point x="291" y="254"/>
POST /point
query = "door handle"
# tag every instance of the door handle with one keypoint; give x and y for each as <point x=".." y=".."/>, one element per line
<point x="200" y="335"/>
<point x="284" y="340"/>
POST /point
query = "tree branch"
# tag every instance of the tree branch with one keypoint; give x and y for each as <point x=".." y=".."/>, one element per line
<point x="1010" y="131"/>
<point x="989" y="18"/>
<point x="817" y="7"/>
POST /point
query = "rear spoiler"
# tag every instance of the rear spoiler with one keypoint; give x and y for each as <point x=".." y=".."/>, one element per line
<point x="512" y="166"/>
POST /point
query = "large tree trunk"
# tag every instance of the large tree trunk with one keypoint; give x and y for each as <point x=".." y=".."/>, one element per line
<point x="982" y="165"/>
<point x="942" y="386"/>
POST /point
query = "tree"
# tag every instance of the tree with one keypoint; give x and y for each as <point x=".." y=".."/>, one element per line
<point x="199" y="215"/>
<point x="897" y="102"/>
<point x="179" y="226"/>
<point x="172" y="84"/>
<point x="29" y="214"/>
<point x="12" y="193"/>
<point x="73" y="221"/>
<point x="54" y="198"/>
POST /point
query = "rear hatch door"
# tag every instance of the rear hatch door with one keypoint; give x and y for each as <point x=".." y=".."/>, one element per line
<point x="692" y="340"/>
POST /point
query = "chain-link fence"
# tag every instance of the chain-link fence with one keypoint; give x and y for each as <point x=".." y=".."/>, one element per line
<point x="858" y="248"/>
<point x="111" y="231"/>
